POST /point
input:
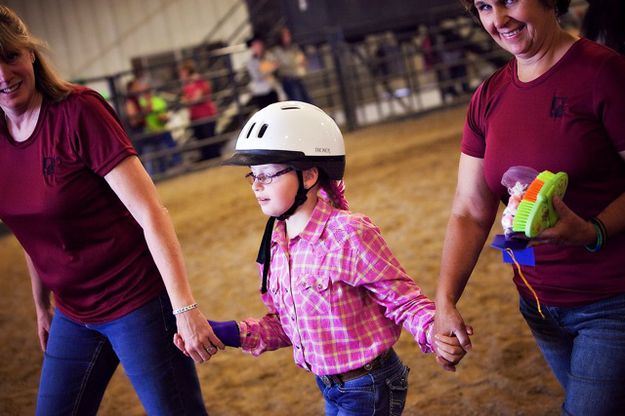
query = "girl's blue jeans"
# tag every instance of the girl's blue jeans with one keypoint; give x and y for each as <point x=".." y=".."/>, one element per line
<point x="381" y="392"/>
<point x="80" y="359"/>
<point x="585" y="348"/>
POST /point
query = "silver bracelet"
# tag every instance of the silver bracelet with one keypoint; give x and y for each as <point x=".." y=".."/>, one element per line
<point x="184" y="309"/>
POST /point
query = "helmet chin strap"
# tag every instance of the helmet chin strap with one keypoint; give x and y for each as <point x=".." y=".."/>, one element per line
<point x="264" y="252"/>
<point x="300" y="197"/>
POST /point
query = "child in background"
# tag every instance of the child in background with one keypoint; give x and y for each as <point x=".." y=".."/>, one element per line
<point x="332" y="287"/>
<point x="156" y="113"/>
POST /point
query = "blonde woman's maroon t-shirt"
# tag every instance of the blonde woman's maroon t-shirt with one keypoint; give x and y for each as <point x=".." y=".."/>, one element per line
<point x="570" y="119"/>
<point x="85" y="246"/>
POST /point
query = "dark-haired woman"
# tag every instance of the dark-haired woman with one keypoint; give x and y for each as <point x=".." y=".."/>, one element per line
<point x="557" y="105"/>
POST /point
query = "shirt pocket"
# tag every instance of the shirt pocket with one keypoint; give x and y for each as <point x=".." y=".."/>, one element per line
<point x="316" y="294"/>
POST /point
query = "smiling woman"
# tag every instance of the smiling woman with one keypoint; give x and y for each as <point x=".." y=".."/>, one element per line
<point x="97" y="238"/>
<point x="19" y="98"/>
<point x="550" y="109"/>
<point x="529" y="30"/>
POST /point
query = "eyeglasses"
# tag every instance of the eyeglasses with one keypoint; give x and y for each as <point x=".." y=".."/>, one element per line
<point x="265" y="179"/>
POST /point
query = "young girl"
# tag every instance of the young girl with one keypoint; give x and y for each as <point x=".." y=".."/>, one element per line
<point x="332" y="287"/>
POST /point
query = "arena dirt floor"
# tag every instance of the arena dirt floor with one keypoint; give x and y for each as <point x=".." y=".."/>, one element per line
<point x="402" y="175"/>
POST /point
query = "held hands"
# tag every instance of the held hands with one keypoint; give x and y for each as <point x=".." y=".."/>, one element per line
<point x="451" y="337"/>
<point x="448" y="350"/>
<point x="227" y="332"/>
<point x="570" y="230"/>
<point x="195" y="337"/>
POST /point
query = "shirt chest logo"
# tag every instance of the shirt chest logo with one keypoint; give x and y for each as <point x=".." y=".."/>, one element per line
<point x="49" y="165"/>
<point x="558" y="106"/>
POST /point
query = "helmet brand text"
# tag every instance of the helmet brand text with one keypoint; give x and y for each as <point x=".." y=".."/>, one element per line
<point x="322" y="150"/>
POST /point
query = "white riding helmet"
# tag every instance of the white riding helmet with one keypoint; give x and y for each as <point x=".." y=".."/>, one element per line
<point x="293" y="133"/>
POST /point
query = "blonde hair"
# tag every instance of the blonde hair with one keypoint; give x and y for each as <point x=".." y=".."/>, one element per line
<point x="14" y="35"/>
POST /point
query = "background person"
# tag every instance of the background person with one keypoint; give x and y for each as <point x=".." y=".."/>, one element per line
<point x="95" y="236"/>
<point x="261" y="68"/>
<point x="196" y="94"/>
<point x="132" y="108"/>
<point x="158" y="137"/>
<point x="291" y="67"/>
<point x="556" y="105"/>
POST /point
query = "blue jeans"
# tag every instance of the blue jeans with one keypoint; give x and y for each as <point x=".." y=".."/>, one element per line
<point x="155" y="143"/>
<point x="80" y="359"/>
<point x="381" y="392"/>
<point x="585" y="348"/>
<point x="205" y="131"/>
<point x="295" y="90"/>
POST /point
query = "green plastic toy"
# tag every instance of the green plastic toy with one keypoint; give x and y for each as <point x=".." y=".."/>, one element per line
<point x="536" y="212"/>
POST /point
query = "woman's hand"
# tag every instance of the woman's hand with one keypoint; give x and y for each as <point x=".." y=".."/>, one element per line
<point x="197" y="339"/>
<point x="44" y="319"/>
<point x="41" y="297"/>
<point x="570" y="230"/>
<point x="448" y="350"/>
<point x="449" y="323"/>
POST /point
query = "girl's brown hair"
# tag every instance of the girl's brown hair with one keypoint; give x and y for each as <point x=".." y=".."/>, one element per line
<point x="14" y="35"/>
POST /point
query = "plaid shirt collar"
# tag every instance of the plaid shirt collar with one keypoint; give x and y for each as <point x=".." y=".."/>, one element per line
<point x="314" y="228"/>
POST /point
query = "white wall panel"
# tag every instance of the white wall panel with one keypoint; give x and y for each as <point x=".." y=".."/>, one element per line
<point x="175" y="25"/>
<point x="90" y="38"/>
<point x="83" y="36"/>
<point x="54" y="31"/>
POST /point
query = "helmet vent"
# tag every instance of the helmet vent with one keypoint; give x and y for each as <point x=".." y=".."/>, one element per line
<point x="291" y="107"/>
<point x="262" y="131"/>
<point x="250" y="131"/>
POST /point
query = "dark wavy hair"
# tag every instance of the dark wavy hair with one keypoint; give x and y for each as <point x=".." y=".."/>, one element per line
<point x="560" y="6"/>
<point x="603" y="23"/>
<point x="14" y="35"/>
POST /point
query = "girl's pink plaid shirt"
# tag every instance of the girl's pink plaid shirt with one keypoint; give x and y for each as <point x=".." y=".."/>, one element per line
<point x="338" y="295"/>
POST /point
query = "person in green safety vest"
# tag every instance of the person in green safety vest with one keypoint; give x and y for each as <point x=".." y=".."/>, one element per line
<point x="155" y="110"/>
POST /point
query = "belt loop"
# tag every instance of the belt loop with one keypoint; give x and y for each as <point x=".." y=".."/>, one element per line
<point x="327" y="381"/>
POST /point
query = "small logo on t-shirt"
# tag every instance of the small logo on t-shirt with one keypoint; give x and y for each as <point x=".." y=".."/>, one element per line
<point x="558" y="105"/>
<point x="49" y="165"/>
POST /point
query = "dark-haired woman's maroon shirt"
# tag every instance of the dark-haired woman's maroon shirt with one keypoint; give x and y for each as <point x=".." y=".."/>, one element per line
<point x="571" y="119"/>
